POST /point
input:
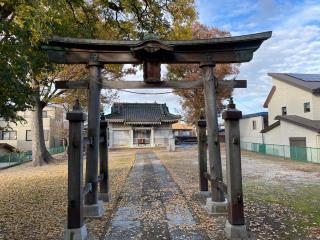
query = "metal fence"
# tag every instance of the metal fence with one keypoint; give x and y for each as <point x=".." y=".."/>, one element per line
<point x="17" y="158"/>
<point x="304" y="154"/>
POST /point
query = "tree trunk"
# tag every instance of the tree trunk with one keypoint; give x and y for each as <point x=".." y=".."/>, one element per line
<point x="40" y="154"/>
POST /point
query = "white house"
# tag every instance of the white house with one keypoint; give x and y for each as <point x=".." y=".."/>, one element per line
<point x="293" y="128"/>
<point x="140" y="125"/>
<point x="251" y="126"/>
<point x="294" y="110"/>
<point x="19" y="135"/>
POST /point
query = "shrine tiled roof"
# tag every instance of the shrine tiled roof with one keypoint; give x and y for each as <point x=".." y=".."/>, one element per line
<point x="141" y="113"/>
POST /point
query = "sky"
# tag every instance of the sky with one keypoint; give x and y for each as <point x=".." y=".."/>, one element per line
<point x="293" y="48"/>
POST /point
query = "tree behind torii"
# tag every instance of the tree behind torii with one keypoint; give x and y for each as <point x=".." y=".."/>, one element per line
<point x="27" y="24"/>
<point x="192" y="100"/>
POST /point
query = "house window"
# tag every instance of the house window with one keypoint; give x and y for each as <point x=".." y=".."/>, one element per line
<point x="44" y="114"/>
<point x="28" y="135"/>
<point x="8" y="135"/>
<point x="306" y="107"/>
<point x="284" y="110"/>
<point x="254" y="124"/>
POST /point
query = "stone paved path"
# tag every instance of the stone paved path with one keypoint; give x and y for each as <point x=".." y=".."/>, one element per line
<point x="152" y="206"/>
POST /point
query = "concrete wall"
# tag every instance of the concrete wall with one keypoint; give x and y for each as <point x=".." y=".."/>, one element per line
<point x="159" y="135"/>
<point x="247" y="133"/>
<point x="53" y="123"/>
<point x="162" y="136"/>
<point x="116" y="130"/>
<point x="293" y="98"/>
<point x="280" y="137"/>
<point x="281" y="134"/>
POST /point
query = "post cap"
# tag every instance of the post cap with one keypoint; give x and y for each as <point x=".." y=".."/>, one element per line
<point x="231" y="104"/>
<point x="202" y="121"/>
<point x="76" y="114"/>
<point x="231" y="112"/>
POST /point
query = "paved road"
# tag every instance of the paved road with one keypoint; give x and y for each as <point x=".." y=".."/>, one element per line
<point x="152" y="206"/>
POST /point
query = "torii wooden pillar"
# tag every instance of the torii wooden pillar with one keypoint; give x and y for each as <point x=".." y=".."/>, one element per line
<point x="207" y="70"/>
<point x="152" y="53"/>
<point x="92" y="207"/>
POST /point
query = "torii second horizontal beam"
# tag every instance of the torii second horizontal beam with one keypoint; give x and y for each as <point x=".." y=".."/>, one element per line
<point x="184" y="84"/>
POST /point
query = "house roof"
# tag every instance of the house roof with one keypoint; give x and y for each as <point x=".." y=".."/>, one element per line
<point x="141" y="113"/>
<point x="262" y="114"/>
<point x="270" y="127"/>
<point x="301" y="121"/>
<point x="182" y="126"/>
<point x="308" y="82"/>
<point x="266" y="103"/>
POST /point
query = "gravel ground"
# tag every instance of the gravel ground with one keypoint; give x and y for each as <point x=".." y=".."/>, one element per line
<point x="281" y="196"/>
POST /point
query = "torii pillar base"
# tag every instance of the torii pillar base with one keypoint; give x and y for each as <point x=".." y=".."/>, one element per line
<point x="105" y="197"/>
<point x="94" y="210"/>
<point x="217" y="208"/>
<point x="238" y="232"/>
<point x="76" y="233"/>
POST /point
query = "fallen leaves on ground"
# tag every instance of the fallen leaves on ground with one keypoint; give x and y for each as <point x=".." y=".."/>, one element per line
<point x="33" y="200"/>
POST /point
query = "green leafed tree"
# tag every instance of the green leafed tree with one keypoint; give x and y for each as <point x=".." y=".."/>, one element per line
<point x="26" y="75"/>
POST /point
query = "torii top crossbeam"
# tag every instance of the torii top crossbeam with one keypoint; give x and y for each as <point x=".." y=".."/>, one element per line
<point x="219" y="50"/>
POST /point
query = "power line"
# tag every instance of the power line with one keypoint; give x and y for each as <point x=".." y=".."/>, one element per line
<point x="160" y="93"/>
<point x="145" y="93"/>
<point x="241" y="103"/>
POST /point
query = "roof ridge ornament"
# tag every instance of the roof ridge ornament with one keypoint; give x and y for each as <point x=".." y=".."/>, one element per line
<point x="150" y="46"/>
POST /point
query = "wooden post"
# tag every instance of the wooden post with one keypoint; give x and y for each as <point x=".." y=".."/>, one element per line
<point x="207" y="69"/>
<point x="202" y="154"/>
<point x="103" y="156"/>
<point x="75" y="171"/>
<point x="93" y="131"/>
<point x="233" y="155"/>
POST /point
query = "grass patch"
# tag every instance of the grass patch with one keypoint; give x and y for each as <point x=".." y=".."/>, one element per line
<point x="303" y="199"/>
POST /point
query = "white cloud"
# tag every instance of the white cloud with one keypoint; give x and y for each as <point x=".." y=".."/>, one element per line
<point x="294" y="47"/>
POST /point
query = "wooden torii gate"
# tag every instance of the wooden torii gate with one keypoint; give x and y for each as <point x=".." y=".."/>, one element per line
<point x="151" y="53"/>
